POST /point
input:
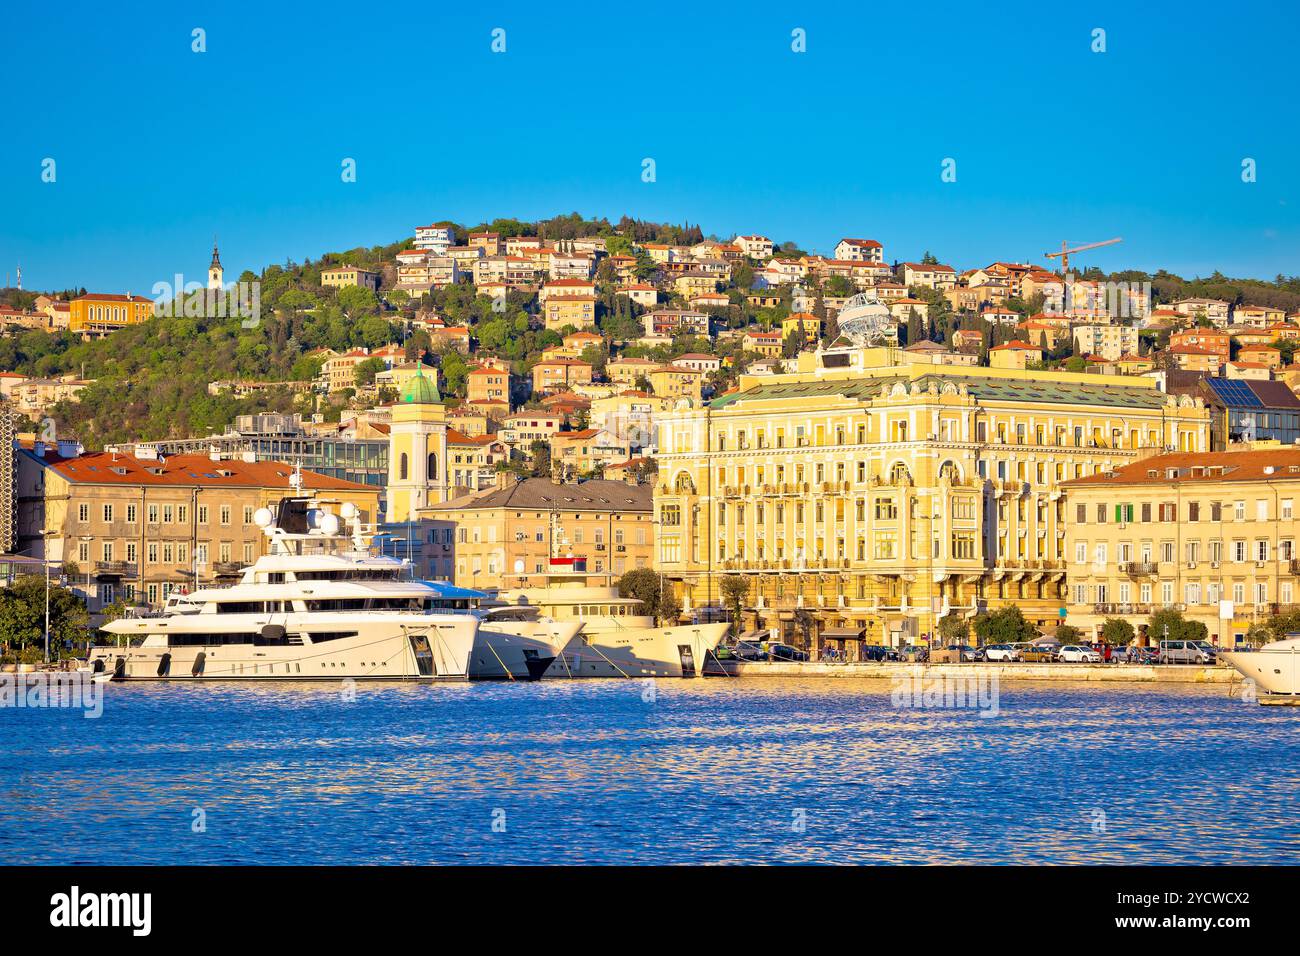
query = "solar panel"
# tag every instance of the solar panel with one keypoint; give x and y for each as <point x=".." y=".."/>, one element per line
<point x="1235" y="392"/>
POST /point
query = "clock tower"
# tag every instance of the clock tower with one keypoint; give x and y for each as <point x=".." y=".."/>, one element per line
<point x="215" y="272"/>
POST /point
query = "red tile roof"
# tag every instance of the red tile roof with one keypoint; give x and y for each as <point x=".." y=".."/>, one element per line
<point x="189" y="470"/>
<point x="1215" y="466"/>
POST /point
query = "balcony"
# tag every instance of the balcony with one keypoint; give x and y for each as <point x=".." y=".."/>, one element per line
<point x="1139" y="568"/>
<point x="114" y="569"/>
<point x="1294" y="566"/>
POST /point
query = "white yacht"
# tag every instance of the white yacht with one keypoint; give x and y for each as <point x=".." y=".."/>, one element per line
<point x="1275" y="668"/>
<point x="618" y="639"/>
<point x="512" y="643"/>
<point x="318" y="606"/>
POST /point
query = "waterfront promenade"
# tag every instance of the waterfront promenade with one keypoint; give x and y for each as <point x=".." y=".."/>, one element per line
<point x="888" y="670"/>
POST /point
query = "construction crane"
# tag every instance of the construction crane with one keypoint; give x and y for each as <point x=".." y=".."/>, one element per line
<point x="1066" y="252"/>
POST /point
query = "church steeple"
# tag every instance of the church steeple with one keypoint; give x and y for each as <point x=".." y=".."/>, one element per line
<point x="215" y="272"/>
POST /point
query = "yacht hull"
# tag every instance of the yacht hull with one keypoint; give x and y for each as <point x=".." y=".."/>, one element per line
<point x="639" y="652"/>
<point x="1273" y="671"/>
<point x="518" y="651"/>
<point x="367" y="647"/>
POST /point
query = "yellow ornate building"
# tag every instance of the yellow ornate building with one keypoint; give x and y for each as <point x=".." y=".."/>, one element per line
<point x="879" y="497"/>
<point x="97" y="314"/>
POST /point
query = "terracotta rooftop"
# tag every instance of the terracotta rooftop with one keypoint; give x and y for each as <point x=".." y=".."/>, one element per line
<point x="1268" y="464"/>
<point x="189" y="470"/>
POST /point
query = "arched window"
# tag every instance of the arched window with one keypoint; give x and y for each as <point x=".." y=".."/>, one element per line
<point x="898" y="474"/>
<point x="949" y="471"/>
<point x="683" y="484"/>
<point x="433" y="467"/>
<point x="403" y="468"/>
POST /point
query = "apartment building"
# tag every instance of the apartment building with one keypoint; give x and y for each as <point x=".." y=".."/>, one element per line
<point x="437" y="238"/>
<point x="1107" y="341"/>
<point x="570" y="311"/>
<point x="510" y="536"/>
<point x="137" y="529"/>
<point x="932" y="276"/>
<point x="1211" y="340"/>
<point x="882" y="497"/>
<point x="342" y="276"/>
<point x="559" y="375"/>
<point x="1212" y="535"/>
<point x="676" y="322"/>
<point x="754" y="247"/>
<point x="859" y="250"/>
<point x="485" y="384"/>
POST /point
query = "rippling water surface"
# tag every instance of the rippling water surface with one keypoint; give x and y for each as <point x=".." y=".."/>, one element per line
<point x="697" y="771"/>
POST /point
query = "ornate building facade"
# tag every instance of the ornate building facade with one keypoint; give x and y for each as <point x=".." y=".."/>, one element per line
<point x="880" y="497"/>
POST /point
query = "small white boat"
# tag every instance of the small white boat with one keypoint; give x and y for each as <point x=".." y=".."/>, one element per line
<point x="1275" y="668"/>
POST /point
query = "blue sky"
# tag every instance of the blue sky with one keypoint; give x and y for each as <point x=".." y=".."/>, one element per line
<point x="158" y="148"/>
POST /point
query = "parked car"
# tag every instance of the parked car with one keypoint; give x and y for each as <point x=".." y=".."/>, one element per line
<point x="1039" y="653"/>
<point x="1001" y="652"/>
<point x="967" y="652"/>
<point x="1187" y="652"/>
<point x="878" y="652"/>
<point x="916" y="652"/>
<point x="1078" y="654"/>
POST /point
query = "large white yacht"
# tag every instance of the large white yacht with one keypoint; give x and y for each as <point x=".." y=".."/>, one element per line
<point x="318" y="606"/>
<point x="1275" y="668"/>
<point x="618" y="639"/>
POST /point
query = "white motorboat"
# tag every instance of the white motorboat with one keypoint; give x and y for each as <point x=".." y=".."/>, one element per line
<point x="618" y="639"/>
<point x="317" y="606"/>
<point x="1275" y="668"/>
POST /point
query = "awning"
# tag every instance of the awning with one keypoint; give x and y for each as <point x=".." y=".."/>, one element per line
<point x="844" y="633"/>
<point x="758" y="635"/>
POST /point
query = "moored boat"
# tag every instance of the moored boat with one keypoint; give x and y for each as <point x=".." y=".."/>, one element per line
<point x="317" y="606"/>
<point x="1275" y="668"/>
<point x="618" y="639"/>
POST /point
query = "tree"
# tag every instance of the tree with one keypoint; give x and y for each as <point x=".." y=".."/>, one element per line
<point x="1168" y="624"/>
<point x="654" y="591"/>
<point x="541" y="457"/>
<point x="366" y="370"/>
<point x="455" y="373"/>
<point x="1006" y="625"/>
<point x="22" y="614"/>
<point x="953" y="629"/>
<point x="1117" y="632"/>
<point x="734" y="590"/>
<point x="1278" y="627"/>
<point x="1068" y="633"/>
<point x="357" y="300"/>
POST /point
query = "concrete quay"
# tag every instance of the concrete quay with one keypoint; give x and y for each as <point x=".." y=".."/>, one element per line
<point x="890" y="670"/>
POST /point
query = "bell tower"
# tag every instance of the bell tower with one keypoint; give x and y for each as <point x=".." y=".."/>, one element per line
<point x="417" y="450"/>
<point x="215" y="272"/>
